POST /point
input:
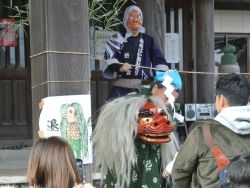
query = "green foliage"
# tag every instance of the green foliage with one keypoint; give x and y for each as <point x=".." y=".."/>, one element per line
<point x="112" y="17"/>
<point x="98" y="13"/>
<point x="21" y="14"/>
<point x="96" y="10"/>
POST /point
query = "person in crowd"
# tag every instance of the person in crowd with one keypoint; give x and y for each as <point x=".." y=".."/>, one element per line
<point x="195" y="166"/>
<point x="167" y="87"/>
<point x="129" y="156"/>
<point x="126" y="145"/>
<point x="239" y="171"/>
<point x="52" y="164"/>
<point x="131" y="55"/>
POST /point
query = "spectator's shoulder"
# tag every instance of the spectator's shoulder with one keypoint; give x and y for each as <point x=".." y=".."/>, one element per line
<point x="85" y="185"/>
<point x="197" y="125"/>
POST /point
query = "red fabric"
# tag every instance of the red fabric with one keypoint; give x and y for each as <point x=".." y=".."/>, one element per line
<point x="8" y="32"/>
<point x="221" y="160"/>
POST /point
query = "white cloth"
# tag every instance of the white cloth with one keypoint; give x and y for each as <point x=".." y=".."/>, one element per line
<point x="170" y="165"/>
<point x="169" y="149"/>
<point x="13" y="179"/>
<point x="236" y="118"/>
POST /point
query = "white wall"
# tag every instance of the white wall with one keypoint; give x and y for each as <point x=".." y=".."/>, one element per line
<point x="229" y="21"/>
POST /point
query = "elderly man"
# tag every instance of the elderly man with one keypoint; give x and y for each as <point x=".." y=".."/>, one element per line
<point x="131" y="55"/>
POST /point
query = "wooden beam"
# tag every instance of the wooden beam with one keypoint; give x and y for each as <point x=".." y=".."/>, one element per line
<point x="187" y="51"/>
<point x="1" y="9"/>
<point x="62" y="26"/>
<point x="205" y="50"/>
<point x="176" y="3"/>
<point x="154" y="20"/>
<point x="232" y="5"/>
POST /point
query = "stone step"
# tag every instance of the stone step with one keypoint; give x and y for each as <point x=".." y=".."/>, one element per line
<point x="15" y="144"/>
<point x="13" y="166"/>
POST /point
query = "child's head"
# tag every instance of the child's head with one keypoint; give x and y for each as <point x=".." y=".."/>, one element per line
<point x="239" y="171"/>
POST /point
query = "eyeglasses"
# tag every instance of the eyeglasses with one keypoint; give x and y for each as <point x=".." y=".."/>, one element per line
<point x="136" y="18"/>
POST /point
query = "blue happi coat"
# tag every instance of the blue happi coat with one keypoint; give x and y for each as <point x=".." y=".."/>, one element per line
<point x="140" y="51"/>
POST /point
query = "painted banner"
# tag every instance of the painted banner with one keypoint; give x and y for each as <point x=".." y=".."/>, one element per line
<point x="172" y="48"/>
<point x="8" y="32"/>
<point x="100" y="39"/>
<point x="69" y="117"/>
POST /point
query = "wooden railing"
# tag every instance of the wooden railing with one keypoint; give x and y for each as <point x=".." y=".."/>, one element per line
<point x="15" y="92"/>
<point x="99" y="92"/>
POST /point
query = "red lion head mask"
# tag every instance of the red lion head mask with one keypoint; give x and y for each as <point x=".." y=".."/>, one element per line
<point x="154" y="125"/>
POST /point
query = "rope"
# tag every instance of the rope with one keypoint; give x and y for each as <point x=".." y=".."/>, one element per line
<point x="58" y="52"/>
<point x="185" y="72"/>
<point x="104" y="61"/>
<point x="144" y="67"/>
<point x="65" y="81"/>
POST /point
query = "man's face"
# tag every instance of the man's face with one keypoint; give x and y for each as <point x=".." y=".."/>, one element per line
<point x="159" y="92"/>
<point x="134" y="22"/>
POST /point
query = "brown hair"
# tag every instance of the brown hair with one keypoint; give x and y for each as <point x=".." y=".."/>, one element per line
<point x="52" y="164"/>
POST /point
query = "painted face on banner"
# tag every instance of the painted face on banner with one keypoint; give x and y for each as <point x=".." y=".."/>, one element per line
<point x="134" y="21"/>
<point x="70" y="116"/>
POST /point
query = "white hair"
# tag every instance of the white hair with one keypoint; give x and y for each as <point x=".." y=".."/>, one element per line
<point x="127" y="11"/>
<point x="114" y="135"/>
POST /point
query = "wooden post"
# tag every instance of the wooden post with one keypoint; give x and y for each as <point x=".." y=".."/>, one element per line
<point x="154" y="20"/>
<point x="1" y="9"/>
<point x="187" y="51"/>
<point x="59" y="51"/>
<point x="205" y="50"/>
